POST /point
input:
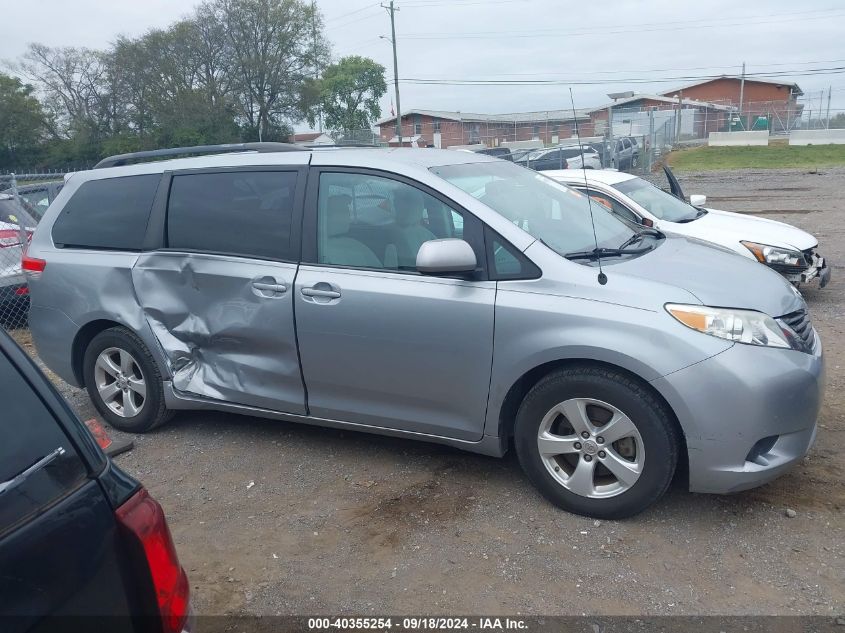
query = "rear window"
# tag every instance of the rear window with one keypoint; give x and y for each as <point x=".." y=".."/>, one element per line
<point x="111" y="213"/>
<point x="28" y="434"/>
<point x="241" y="213"/>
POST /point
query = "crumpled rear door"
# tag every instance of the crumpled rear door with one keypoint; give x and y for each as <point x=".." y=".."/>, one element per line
<point x="225" y="325"/>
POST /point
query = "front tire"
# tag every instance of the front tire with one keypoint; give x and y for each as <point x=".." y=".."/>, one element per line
<point x="596" y="442"/>
<point x="124" y="382"/>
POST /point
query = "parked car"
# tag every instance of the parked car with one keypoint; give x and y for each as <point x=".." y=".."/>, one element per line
<point x="82" y="544"/>
<point x="499" y="152"/>
<point x="784" y="248"/>
<point x="37" y="197"/>
<point x="618" y="352"/>
<point x="543" y="159"/>
<point x="627" y="153"/>
<point x="15" y="225"/>
<point x="585" y="157"/>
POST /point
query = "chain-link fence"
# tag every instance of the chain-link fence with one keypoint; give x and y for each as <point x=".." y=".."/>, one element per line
<point x="23" y="200"/>
<point x="631" y="134"/>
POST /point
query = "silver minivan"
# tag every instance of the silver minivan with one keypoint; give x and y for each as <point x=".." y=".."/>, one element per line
<point x="435" y="295"/>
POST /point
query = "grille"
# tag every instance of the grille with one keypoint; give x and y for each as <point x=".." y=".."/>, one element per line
<point x="800" y="322"/>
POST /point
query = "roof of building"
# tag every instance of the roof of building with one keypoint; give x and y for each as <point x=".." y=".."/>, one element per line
<point x="748" y="79"/>
<point x="663" y="99"/>
<point x="512" y="117"/>
<point x="308" y="136"/>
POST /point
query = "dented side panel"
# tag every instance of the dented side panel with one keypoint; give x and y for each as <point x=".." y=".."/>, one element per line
<point x="226" y="326"/>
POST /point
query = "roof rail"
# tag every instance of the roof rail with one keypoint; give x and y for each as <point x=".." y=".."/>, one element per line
<point x="124" y="159"/>
<point x="350" y="145"/>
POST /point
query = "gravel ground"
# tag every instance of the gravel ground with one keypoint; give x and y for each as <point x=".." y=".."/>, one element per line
<point x="275" y="518"/>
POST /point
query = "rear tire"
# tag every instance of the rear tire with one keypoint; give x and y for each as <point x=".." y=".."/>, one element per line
<point x="124" y="382"/>
<point x="569" y="412"/>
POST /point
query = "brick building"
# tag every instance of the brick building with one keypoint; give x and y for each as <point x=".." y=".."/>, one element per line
<point x="777" y="100"/>
<point x="438" y="128"/>
<point x="630" y="115"/>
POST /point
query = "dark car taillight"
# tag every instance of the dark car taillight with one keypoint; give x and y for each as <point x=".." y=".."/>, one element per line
<point x="9" y="238"/>
<point x="143" y="520"/>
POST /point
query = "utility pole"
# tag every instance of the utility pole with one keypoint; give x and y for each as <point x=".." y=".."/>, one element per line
<point x="316" y="63"/>
<point x="827" y="116"/>
<point x="392" y="10"/>
<point x="741" y="95"/>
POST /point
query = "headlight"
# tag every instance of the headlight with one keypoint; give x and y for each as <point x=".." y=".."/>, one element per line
<point x="742" y="326"/>
<point x="774" y="254"/>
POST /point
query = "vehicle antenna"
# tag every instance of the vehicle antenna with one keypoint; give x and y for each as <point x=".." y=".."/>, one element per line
<point x="602" y="276"/>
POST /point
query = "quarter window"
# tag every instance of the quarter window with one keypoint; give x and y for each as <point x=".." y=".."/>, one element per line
<point x="246" y="213"/>
<point x="367" y="221"/>
<point x="111" y="213"/>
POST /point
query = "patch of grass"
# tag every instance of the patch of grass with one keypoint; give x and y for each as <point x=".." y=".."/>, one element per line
<point x="778" y="155"/>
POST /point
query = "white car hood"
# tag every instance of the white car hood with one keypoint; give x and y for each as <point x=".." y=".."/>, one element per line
<point x="724" y="227"/>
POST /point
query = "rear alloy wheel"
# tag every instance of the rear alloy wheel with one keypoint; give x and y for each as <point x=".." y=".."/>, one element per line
<point x="120" y="382"/>
<point x="596" y="442"/>
<point x="124" y="382"/>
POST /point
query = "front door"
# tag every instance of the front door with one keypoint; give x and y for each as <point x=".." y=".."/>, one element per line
<point x="219" y="295"/>
<point x="381" y="344"/>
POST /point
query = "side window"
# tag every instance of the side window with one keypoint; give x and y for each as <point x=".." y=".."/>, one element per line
<point x="36" y="202"/>
<point x="28" y="435"/>
<point x="245" y="213"/>
<point x="615" y="206"/>
<point x="505" y="261"/>
<point x="111" y="213"/>
<point x="368" y="221"/>
<point x="620" y="146"/>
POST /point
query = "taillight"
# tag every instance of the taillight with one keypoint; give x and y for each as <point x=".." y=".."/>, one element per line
<point x="143" y="520"/>
<point x="9" y="238"/>
<point x="33" y="264"/>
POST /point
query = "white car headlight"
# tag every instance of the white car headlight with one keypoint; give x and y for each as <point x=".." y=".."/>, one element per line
<point x="766" y="254"/>
<point x="741" y="326"/>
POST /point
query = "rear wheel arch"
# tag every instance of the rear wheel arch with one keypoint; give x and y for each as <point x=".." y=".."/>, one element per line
<point x="517" y="392"/>
<point x="83" y="338"/>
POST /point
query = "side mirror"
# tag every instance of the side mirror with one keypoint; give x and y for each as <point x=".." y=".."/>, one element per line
<point x="446" y="256"/>
<point x="697" y="200"/>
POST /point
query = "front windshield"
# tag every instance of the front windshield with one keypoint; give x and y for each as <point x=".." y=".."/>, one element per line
<point x="660" y="204"/>
<point x="548" y="210"/>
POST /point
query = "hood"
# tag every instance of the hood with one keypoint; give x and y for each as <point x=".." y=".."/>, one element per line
<point x="761" y="230"/>
<point x="716" y="276"/>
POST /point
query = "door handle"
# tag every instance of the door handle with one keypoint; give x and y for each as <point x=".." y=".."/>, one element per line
<point x="267" y="287"/>
<point x="317" y="292"/>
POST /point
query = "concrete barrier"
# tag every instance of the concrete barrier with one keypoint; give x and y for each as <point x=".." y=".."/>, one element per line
<point x="817" y="137"/>
<point x="725" y="139"/>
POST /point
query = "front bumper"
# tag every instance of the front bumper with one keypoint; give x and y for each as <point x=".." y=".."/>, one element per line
<point x="748" y="414"/>
<point x="818" y="269"/>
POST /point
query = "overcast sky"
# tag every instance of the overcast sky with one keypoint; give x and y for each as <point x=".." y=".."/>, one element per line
<point x="515" y="40"/>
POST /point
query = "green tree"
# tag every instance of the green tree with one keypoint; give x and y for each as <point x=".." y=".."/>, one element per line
<point x="275" y="46"/>
<point x="349" y="94"/>
<point x="21" y="122"/>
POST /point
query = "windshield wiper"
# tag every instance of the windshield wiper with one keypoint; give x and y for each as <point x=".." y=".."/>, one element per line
<point x="596" y="253"/>
<point x="22" y="476"/>
<point x="639" y="235"/>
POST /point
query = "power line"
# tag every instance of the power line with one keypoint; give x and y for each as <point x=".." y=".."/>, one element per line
<point x="835" y="70"/>
<point x="359" y="10"/>
<point x="657" y="26"/>
<point x="658" y="70"/>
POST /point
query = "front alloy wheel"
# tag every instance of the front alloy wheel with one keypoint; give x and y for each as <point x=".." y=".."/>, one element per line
<point x="597" y="441"/>
<point x="591" y="448"/>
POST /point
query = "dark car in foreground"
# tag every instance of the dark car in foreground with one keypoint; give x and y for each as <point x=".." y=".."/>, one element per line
<point x="83" y="546"/>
